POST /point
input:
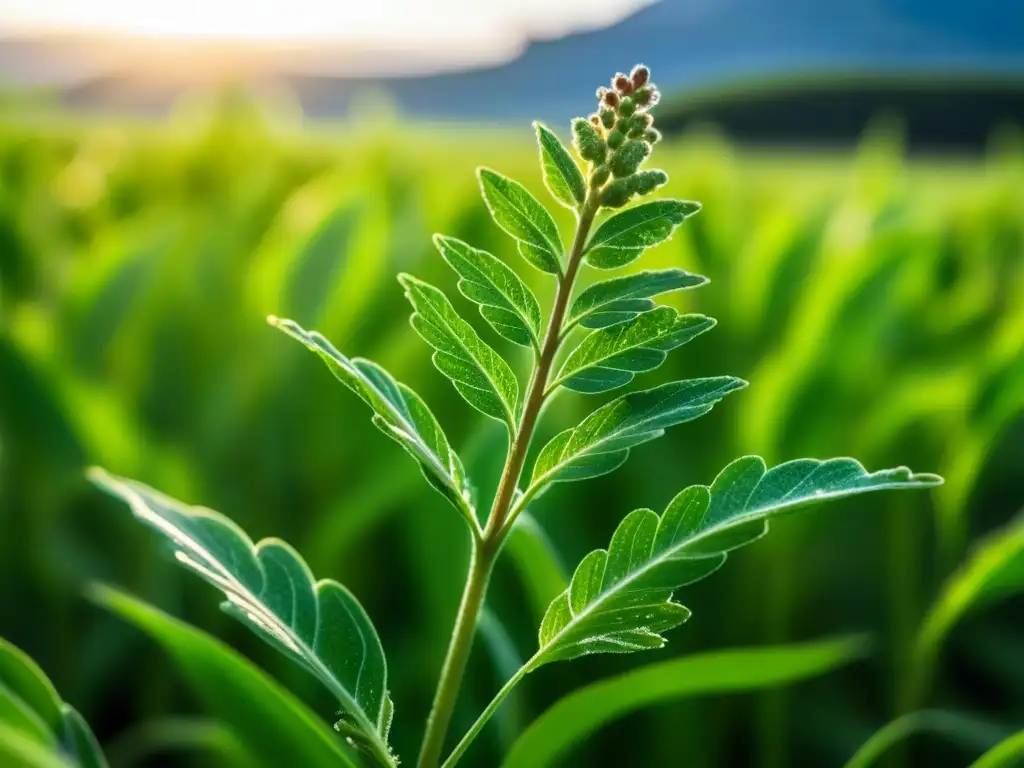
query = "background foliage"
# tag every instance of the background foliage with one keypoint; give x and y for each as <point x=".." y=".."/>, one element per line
<point x="875" y="303"/>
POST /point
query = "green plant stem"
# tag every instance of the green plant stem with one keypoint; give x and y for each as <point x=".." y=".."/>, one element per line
<point x="486" y="550"/>
<point x="487" y="714"/>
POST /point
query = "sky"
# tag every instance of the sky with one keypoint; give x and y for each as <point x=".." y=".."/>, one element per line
<point x="455" y="29"/>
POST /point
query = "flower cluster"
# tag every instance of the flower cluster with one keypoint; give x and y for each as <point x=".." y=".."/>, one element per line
<point x="617" y="138"/>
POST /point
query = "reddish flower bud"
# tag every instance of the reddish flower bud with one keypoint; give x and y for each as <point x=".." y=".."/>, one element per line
<point x="611" y="98"/>
<point x="623" y="84"/>
<point x="640" y="75"/>
<point x="595" y="120"/>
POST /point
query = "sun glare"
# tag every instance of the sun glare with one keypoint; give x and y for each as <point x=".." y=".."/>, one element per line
<point x="437" y="21"/>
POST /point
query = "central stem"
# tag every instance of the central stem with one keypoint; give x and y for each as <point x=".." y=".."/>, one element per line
<point x="485" y="550"/>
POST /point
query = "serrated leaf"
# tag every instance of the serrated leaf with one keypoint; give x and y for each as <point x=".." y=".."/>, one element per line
<point x="522" y="217"/>
<point x="610" y="357"/>
<point x="479" y="373"/>
<point x="36" y="725"/>
<point x="399" y="413"/>
<point x="505" y="301"/>
<point x="623" y="298"/>
<point x="274" y="727"/>
<point x="579" y="715"/>
<point x="602" y="441"/>
<point x="562" y="176"/>
<point x="620" y="599"/>
<point x="623" y="237"/>
<point x="269" y="588"/>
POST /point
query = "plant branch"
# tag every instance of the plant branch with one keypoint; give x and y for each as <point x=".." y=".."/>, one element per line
<point x="486" y="550"/>
<point x="488" y="713"/>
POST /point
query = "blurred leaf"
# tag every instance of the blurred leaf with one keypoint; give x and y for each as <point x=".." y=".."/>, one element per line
<point x="602" y="441"/>
<point x="480" y="374"/>
<point x="994" y="571"/>
<point x="609" y="358"/>
<point x="317" y="265"/>
<point x="505" y="301"/>
<point x="958" y="727"/>
<point x="1006" y="754"/>
<point x="537" y="561"/>
<point x="561" y="174"/>
<point x="270" y="589"/>
<point x="171" y="735"/>
<point x="36" y="727"/>
<point x="522" y="217"/>
<point x="620" y="600"/>
<point x="275" y="727"/>
<point x="577" y="716"/>
<point x="622" y="238"/>
<point x="623" y="298"/>
<point x="399" y="413"/>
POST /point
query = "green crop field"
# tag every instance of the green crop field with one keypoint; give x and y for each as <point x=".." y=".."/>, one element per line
<point x="874" y="303"/>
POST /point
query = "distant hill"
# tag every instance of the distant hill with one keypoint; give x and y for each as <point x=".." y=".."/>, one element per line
<point x="691" y="45"/>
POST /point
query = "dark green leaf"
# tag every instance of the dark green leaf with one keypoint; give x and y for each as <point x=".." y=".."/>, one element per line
<point x="626" y="235"/>
<point x="602" y="441"/>
<point x="505" y="301"/>
<point x="479" y="373"/>
<point x="79" y="740"/>
<point x="963" y="729"/>
<point x="610" y="357"/>
<point x="579" y="715"/>
<point x="21" y="676"/>
<point x="270" y="589"/>
<point x="399" y="413"/>
<point x="620" y="600"/>
<point x="1006" y="754"/>
<point x="274" y="726"/>
<point x="561" y="174"/>
<point x="519" y="213"/>
<point x="623" y="298"/>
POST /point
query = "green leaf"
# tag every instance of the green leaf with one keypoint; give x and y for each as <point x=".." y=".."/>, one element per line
<point x="31" y="708"/>
<point x="610" y="357"/>
<point x="1006" y="754"/>
<point x="602" y="441"/>
<point x="398" y="412"/>
<point x="957" y="727"/>
<point x="620" y="600"/>
<point x="522" y="217"/>
<point x="80" y="741"/>
<point x="623" y="298"/>
<point x="582" y="713"/>
<point x="20" y="750"/>
<point x="505" y="301"/>
<point x="479" y="373"/>
<point x="561" y="174"/>
<point x="994" y="571"/>
<point x="623" y="237"/>
<point x="274" y="726"/>
<point x="270" y="589"/>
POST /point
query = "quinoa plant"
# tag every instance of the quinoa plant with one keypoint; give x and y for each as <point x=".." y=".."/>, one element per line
<point x="592" y="341"/>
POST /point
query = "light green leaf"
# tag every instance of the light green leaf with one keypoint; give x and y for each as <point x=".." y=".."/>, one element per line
<point x="20" y="750"/>
<point x="31" y="708"/>
<point x="623" y="298"/>
<point x="623" y="237"/>
<point x="398" y="412"/>
<point x="479" y="373"/>
<point x="620" y="600"/>
<point x="561" y="174"/>
<point x="1006" y="754"/>
<point x="522" y="217"/>
<point x="505" y="301"/>
<point x="270" y="589"/>
<point x="610" y="357"/>
<point x="994" y="571"/>
<point x="579" y="715"/>
<point x="602" y="441"/>
<point x="275" y="727"/>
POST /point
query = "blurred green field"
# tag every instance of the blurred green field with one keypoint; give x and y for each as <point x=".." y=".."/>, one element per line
<point x="875" y="303"/>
